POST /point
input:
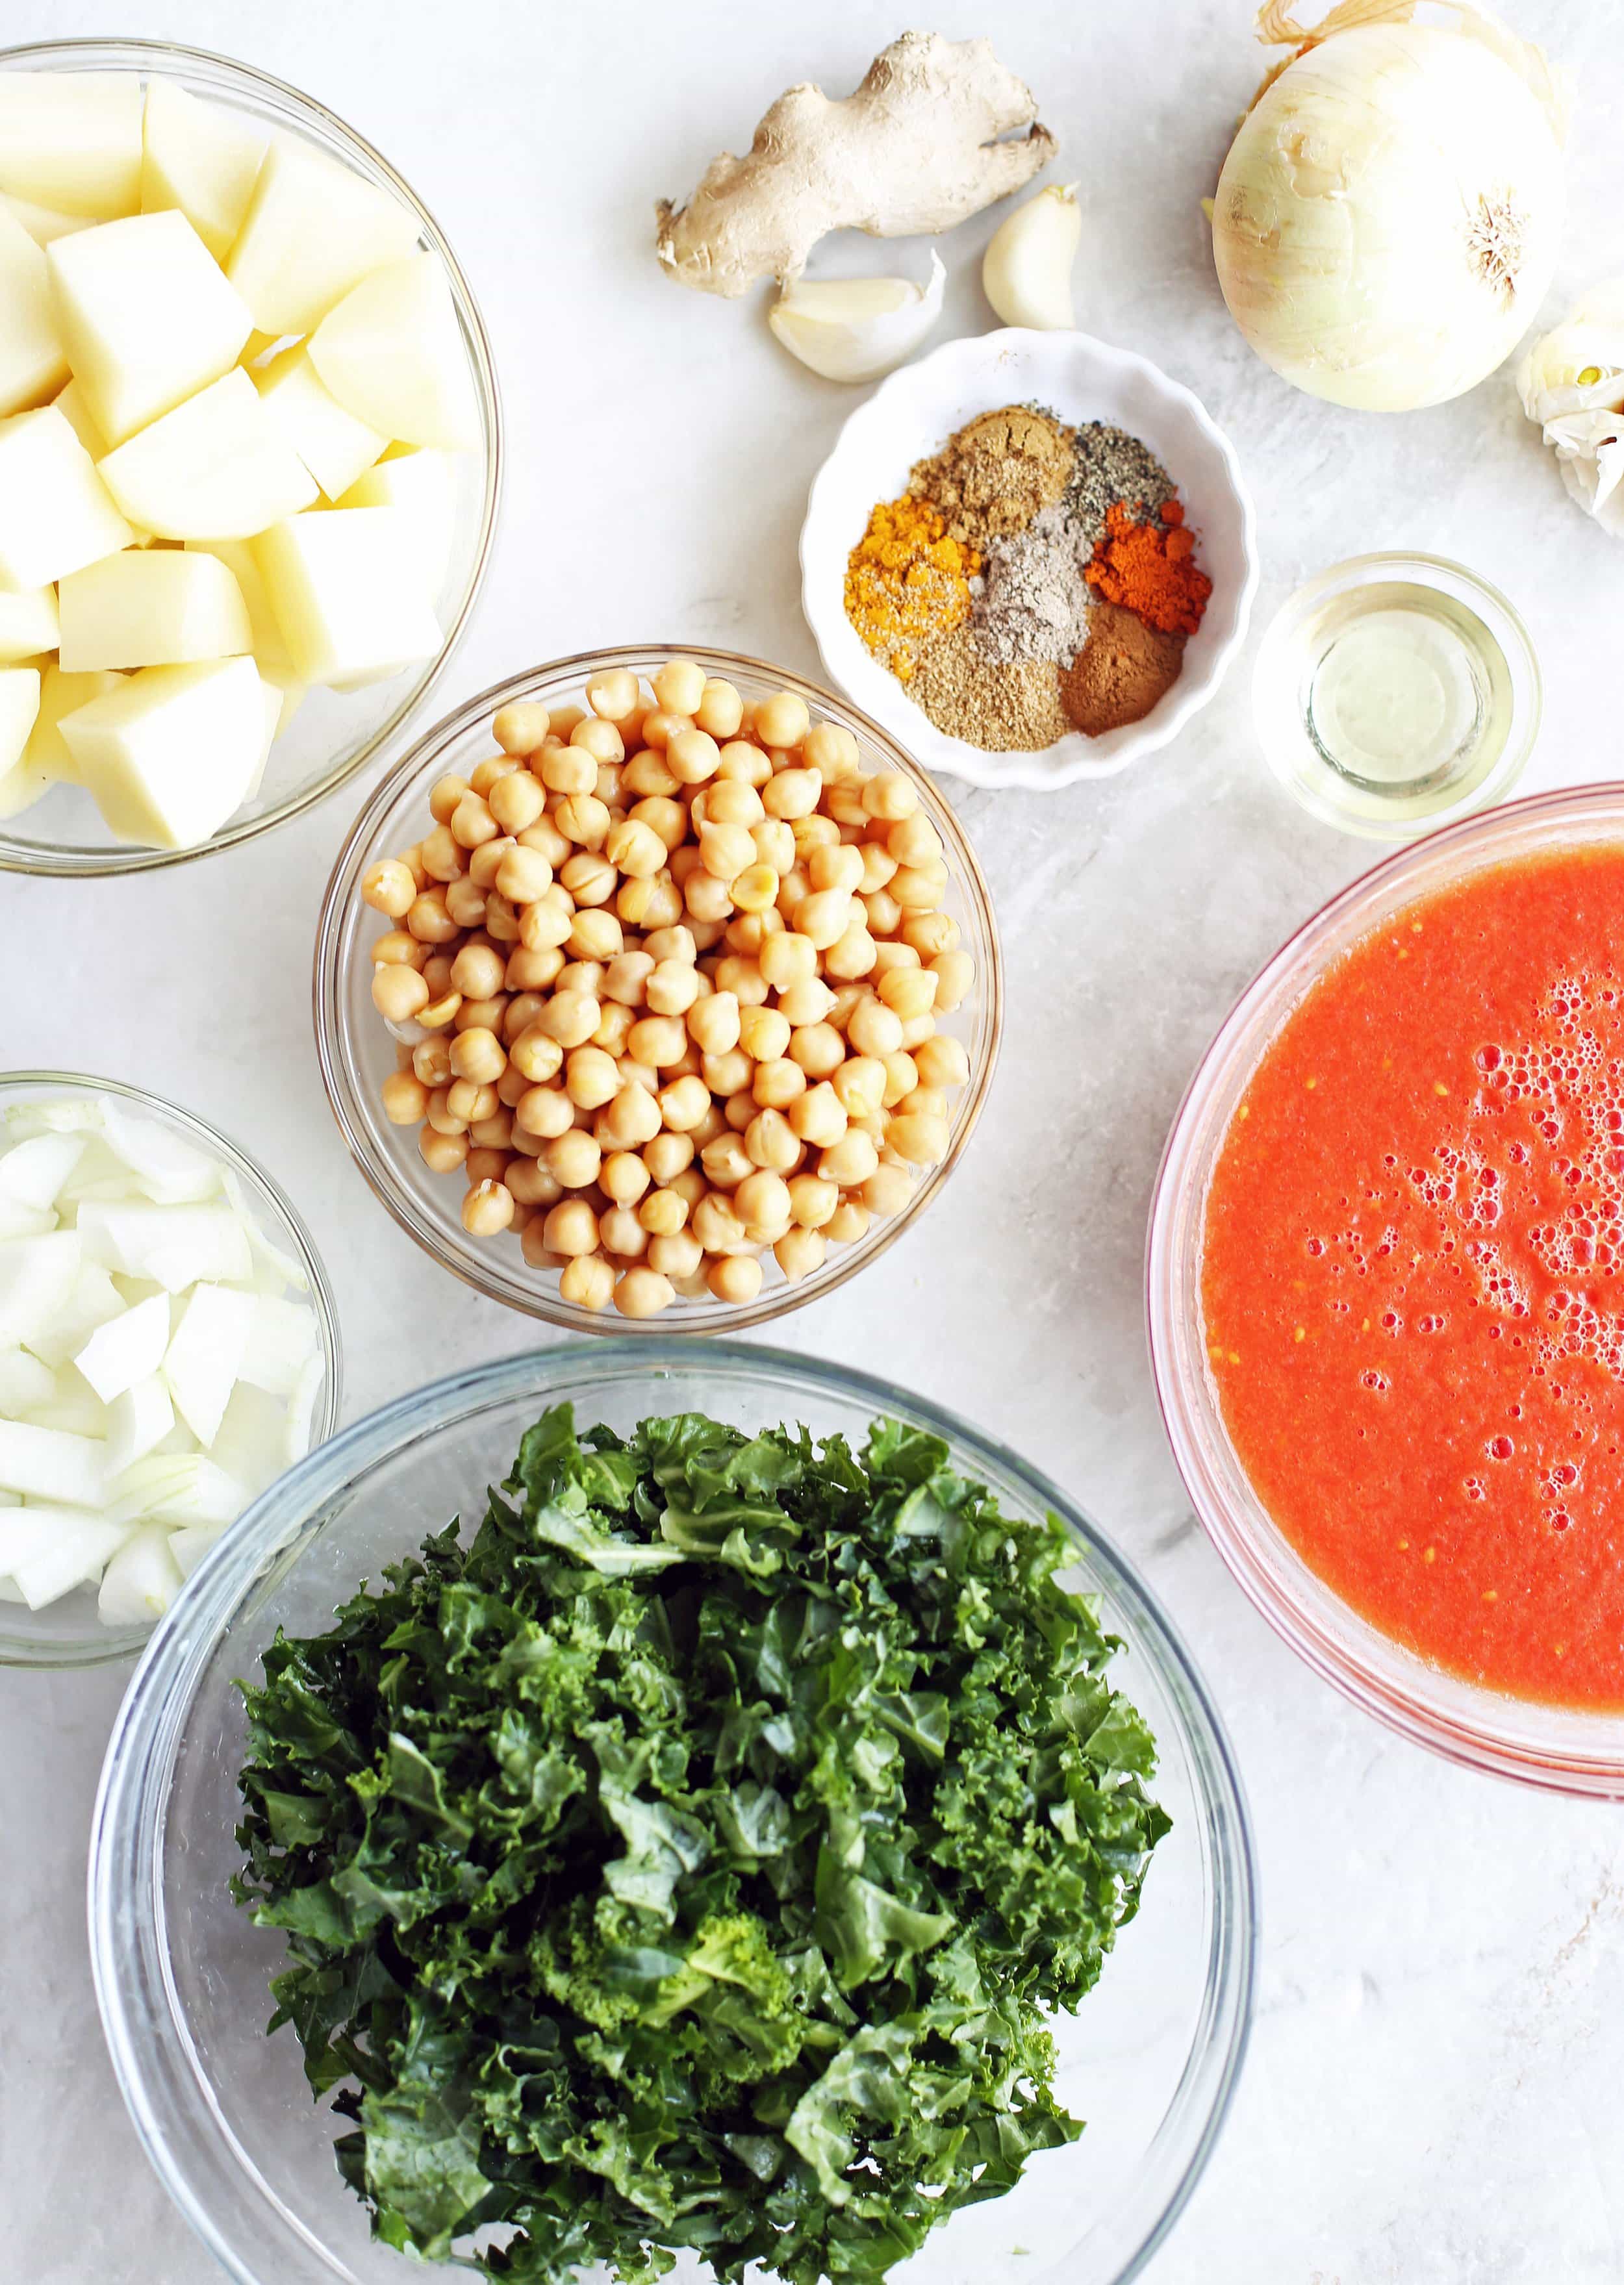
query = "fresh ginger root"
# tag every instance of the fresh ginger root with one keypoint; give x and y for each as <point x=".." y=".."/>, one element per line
<point x="917" y="149"/>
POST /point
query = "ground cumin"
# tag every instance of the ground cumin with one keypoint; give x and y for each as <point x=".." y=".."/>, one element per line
<point x="907" y="581"/>
<point x="1009" y="708"/>
<point x="1122" y="670"/>
<point x="996" y="472"/>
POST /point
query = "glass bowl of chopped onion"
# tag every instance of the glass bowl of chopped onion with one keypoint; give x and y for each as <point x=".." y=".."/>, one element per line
<point x="1149" y="2058"/>
<point x="50" y="825"/>
<point x="129" y="1442"/>
<point x="364" y="1055"/>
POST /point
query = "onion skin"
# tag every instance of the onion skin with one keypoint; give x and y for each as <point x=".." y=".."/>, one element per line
<point x="1389" y="217"/>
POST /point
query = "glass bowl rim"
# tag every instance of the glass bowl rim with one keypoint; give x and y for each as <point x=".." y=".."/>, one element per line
<point x="1509" y="629"/>
<point x="81" y="862"/>
<point x="1557" y="1749"/>
<point x="134" y="1991"/>
<point x="328" y="977"/>
<point x="112" y="1645"/>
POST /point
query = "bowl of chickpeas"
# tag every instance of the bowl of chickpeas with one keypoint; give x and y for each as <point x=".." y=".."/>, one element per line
<point x="656" y="987"/>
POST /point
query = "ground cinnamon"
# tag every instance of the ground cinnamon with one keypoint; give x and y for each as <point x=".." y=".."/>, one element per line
<point x="1122" y="670"/>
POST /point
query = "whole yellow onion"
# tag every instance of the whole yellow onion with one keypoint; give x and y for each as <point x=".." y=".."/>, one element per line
<point x="1388" y="218"/>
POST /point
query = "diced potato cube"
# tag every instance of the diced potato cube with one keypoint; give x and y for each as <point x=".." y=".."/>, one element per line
<point x="145" y="317"/>
<point x="214" y="468"/>
<point x="153" y="606"/>
<point x="422" y="482"/>
<point x="62" y="694"/>
<point x="28" y="624"/>
<point x="335" y="446"/>
<point x="33" y="361"/>
<point x="171" y="753"/>
<point x="270" y="651"/>
<point x="344" y="587"/>
<point x="77" y="413"/>
<point x="392" y="353"/>
<point x="201" y="159"/>
<point x="72" y="140"/>
<point x="20" y="706"/>
<point x="55" y="513"/>
<point x="43" y="223"/>
<point x="312" y="229"/>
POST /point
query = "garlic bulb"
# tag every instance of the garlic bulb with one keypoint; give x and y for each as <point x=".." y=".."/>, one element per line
<point x="856" y="329"/>
<point x="1388" y="217"/>
<point x="1570" y="381"/>
<point x="1026" y="270"/>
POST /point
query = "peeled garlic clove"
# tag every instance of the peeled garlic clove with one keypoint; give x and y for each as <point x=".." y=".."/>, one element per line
<point x="1027" y="272"/>
<point x="856" y="329"/>
<point x="1579" y="366"/>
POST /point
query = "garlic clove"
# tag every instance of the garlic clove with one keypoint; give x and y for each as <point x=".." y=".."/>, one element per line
<point x="1579" y="366"/>
<point x="1026" y="271"/>
<point x="854" y="329"/>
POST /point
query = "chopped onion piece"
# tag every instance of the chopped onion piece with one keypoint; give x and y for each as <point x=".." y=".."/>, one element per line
<point x="176" y="1246"/>
<point x="18" y="1220"/>
<point x="36" y="1276"/>
<point x="93" y="1302"/>
<point x="281" y="1341"/>
<point x="182" y="1488"/>
<point x="168" y="1171"/>
<point x="271" y="1256"/>
<point x="36" y="1170"/>
<point x="69" y="1551"/>
<point x="26" y="1383"/>
<point x="138" y="1421"/>
<point x="127" y="1348"/>
<point x="201" y="1361"/>
<point x="141" y="1582"/>
<point x="49" y="1464"/>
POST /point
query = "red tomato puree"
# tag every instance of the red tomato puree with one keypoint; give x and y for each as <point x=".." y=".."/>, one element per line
<point x="1413" y="1278"/>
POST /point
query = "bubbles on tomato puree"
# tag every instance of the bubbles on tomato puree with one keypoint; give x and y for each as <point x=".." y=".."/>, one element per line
<point x="1501" y="1448"/>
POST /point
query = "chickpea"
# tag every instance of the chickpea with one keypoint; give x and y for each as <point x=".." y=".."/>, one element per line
<point x="431" y="1062"/>
<point x="793" y="890"/>
<point x="673" y="986"/>
<point x="442" y="1153"/>
<point x="590" y="1077"/>
<point x="901" y="1079"/>
<point x="545" y="837"/>
<point x="523" y="875"/>
<point x="781" y="720"/>
<point x="465" y="901"/>
<point x="809" y="1002"/>
<point x="443" y="796"/>
<point x="735" y="1278"/>
<point x="720" y="710"/>
<point x="533" y="1245"/>
<point x="916" y="1030"/>
<point x="635" y="848"/>
<point x="613" y="1029"/>
<point x="955" y="974"/>
<point x="488" y="1208"/>
<point x="818" y="1117"/>
<point x="675" y="1253"/>
<point x="574" y="1159"/>
<point x="814" y="832"/>
<point x="693" y="756"/>
<point x="536" y="1053"/>
<point x="770" y="1142"/>
<point x="571" y="1227"/>
<point x="495" y="1133"/>
<point x="443" y="856"/>
<point x="878" y="869"/>
<point x="470" y="1099"/>
<point x="501" y="919"/>
<point x="397" y="948"/>
<point x="887" y="1191"/>
<point x="716" y="1226"/>
<point x="587" y="1279"/>
<point x="583" y="817"/>
<point x="818" y="1050"/>
<point x="890" y="796"/>
<point x="544" y="1111"/>
<point x="706" y="898"/>
<point x="612" y="693"/>
<point x="621" y="1233"/>
<point x="600" y="739"/>
<point x="792" y="793"/>
<point x="595" y="935"/>
<point x="545" y="926"/>
<point x="787" y="959"/>
<point x="438" y="1013"/>
<point x="398" y="992"/>
<point x="942" y="1061"/>
<point x="860" y="1086"/>
<point x="763" y="1203"/>
<point x="823" y="916"/>
<point x="739" y="1110"/>
<point x="413" y="859"/>
<point x="756" y="888"/>
<point x="623" y="1178"/>
<point x="742" y="976"/>
<point x="479" y="971"/>
<point x="570" y="1017"/>
<point x="922" y="1141"/>
<point x="388" y="887"/>
<point x="663" y="1213"/>
<point x="763" y="1033"/>
<point x="777" y="1085"/>
<point x="835" y="865"/>
<point x="831" y="749"/>
<point x="669" y="1155"/>
<point x="632" y="1119"/>
<point x="744" y="763"/>
<point x="405" y="1098"/>
<point x="472" y="822"/>
<point x="568" y="770"/>
<point x="533" y="1185"/>
<point x="649" y="904"/>
<point x="855" y="953"/>
<point x="844" y="805"/>
<point x="909" y="992"/>
<point x="726" y="851"/>
<point x="647" y="774"/>
<point x="519" y="728"/>
<point x="851" y="1160"/>
<point x="874" y="1029"/>
<point x="798" y="1252"/>
<point x="643" y="1292"/>
<point x="516" y="801"/>
<point x="679" y="686"/>
<point x="477" y="1053"/>
<point x="774" y="844"/>
<point x="657" y="1039"/>
<point x="429" y="921"/>
<point x="848" y="1222"/>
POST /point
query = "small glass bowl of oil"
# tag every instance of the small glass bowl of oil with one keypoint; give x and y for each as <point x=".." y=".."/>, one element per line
<point x="1396" y="693"/>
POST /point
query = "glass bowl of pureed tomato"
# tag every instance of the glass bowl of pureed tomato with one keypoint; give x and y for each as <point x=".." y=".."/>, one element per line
<point x="1385" y="1292"/>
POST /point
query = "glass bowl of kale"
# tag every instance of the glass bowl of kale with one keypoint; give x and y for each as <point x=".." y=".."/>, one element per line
<point x="740" y="1814"/>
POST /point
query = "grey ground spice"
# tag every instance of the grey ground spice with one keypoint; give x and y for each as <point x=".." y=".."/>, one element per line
<point x="1013" y="708"/>
<point x="1109" y="464"/>
<point x="1033" y="601"/>
<point x="993" y="475"/>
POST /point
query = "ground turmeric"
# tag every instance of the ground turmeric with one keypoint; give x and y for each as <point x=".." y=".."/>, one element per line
<point x="1150" y="570"/>
<point x="907" y="581"/>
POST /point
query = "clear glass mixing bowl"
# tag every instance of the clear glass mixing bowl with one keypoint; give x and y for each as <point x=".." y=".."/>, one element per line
<point x="1548" y="1746"/>
<point x="68" y="1632"/>
<point x="333" y="735"/>
<point x="357" y="1051"/>
<point x="1150" y="2059"/>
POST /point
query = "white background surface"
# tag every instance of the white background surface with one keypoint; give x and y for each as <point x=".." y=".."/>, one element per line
<point x="1434" y="2089"/>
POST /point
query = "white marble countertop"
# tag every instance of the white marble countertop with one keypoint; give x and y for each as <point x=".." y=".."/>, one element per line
<point x="1432" y="2093"/>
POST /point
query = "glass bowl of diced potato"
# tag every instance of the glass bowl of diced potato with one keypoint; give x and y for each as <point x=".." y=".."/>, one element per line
<point x="250" y="454"/>
<point x="657" y="989"/>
